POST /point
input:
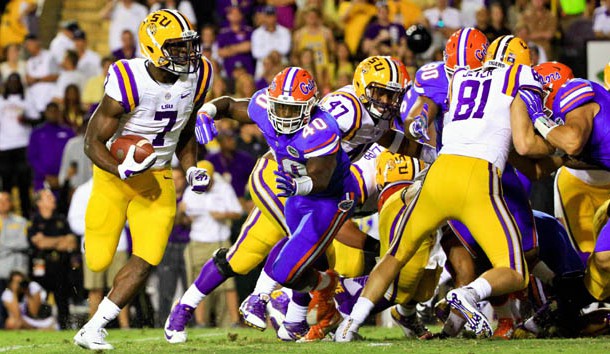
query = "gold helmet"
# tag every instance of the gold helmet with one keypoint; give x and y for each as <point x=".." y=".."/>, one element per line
<point x="169" y="41"/>
<point x="380" y="83"/>
<point x="393" y="167"/>
<point x="506" y="51"/>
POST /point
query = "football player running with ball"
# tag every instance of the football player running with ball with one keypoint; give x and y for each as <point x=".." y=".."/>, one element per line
<point x="157" y="98"/>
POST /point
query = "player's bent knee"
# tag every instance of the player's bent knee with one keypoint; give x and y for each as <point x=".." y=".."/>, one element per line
<point x="221" y="262"/>
<point x="602" y="261"/>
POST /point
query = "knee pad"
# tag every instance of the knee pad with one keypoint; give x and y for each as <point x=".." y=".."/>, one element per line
<point x="221" y="262"/>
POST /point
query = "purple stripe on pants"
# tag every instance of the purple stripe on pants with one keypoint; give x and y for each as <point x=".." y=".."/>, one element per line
<point x="511" y="253"/>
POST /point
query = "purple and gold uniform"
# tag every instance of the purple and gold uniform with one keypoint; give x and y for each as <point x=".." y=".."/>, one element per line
<point x="312" y="219"/>
<point x="147" y="201"/>
<point x="431" y="81"/>
<point x="465" y="181"/>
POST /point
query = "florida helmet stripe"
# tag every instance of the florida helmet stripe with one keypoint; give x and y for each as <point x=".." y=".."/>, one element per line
<point x="462" y="47"/>
<point x="290" y="75"/>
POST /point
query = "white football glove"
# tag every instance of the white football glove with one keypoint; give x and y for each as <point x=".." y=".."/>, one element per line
<point x="129" y="167"/>
<point x="198" y="179"/>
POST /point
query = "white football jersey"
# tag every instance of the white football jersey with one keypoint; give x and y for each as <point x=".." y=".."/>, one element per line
<point x="359" y="129"/>
<point x="478" y="123"/>
<point x="153" y="110"/>
<point x="365" y="171"/>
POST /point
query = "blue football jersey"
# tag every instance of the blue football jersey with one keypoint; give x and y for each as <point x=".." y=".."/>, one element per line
<point x="431" y="81"/>
<point x="320" y="137"/>
<point x="576" y="93"/>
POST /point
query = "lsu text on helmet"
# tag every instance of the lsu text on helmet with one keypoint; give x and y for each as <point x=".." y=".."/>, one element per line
<point x="169" y="41"/>
<point x="380" y="83"/>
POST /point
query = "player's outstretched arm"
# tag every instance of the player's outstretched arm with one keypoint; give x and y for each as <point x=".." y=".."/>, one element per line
<point x="103" y="124"/>
<point x="574" y="134"/>
<point x="525" y="140"/>
<point x="228" y="107"/>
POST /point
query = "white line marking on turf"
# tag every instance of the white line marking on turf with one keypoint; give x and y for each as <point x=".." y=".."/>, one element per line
<point x="380" y="344"/>
<point x="147" y="339"/>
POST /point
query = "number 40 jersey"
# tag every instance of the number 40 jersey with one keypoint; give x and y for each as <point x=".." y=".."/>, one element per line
<point x="320" y="137"/>
<point x="478" y="124"/>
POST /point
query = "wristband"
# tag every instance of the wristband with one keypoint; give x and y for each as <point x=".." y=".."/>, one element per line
<point x="304" y="185"/>
<point x="210" y="109"/>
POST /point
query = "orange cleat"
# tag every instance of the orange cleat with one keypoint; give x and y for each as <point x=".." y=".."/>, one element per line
<point x="505" y="329"/>
<point x="322" y="304"/>
<point x="319" y="331"/>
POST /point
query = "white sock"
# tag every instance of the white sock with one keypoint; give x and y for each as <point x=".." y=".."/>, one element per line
<point x="505" y="310"/>
<point x="406" y="310"/>
<point x="543" y="272"/>
<point x="361" y="310"/>
<point x="264" y="284"/>
<point x="192" y="296"/>
<point x="324" y="281"/>
<point x="106" y="312"/>
<point x="481" y="287"/>
<point x="454" y="324"/>
<point x="295" y="313"/>
<point x="531" y="325"/>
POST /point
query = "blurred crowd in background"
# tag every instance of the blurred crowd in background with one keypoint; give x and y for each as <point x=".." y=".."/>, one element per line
<point x="52" y="82"/>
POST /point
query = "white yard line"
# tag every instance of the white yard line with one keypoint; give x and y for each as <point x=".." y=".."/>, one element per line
<point x="147" y="339"/>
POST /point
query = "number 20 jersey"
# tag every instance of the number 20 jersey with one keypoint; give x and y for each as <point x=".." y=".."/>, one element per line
<point x="320" y="137"/>
<point x="478" y="124"/>
<point x="155" y="111"/>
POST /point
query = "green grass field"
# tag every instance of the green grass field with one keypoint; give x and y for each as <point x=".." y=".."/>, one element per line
<point x="237" y="341"/>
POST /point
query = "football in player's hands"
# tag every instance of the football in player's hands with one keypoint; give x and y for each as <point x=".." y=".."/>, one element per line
<point x="120" y="146"/>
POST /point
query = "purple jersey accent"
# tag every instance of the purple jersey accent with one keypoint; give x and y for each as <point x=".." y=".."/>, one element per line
<point x="318" y="138"/>
<point x="227" y="37"/>
<point x="431" y="81"/>
<point x="556" y="249"/>
<point x="576" y="93"/>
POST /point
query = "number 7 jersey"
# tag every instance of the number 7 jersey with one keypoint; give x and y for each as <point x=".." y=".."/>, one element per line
<point x="158" y="112"/>
<point x="478" y="124"/>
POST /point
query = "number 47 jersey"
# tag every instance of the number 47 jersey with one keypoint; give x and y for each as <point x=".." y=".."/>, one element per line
<point x="478" y="124"/>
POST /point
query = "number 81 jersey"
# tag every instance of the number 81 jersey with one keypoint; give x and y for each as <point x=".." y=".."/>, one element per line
<point x="155" y="111"/>
<point x="478" y="124"/>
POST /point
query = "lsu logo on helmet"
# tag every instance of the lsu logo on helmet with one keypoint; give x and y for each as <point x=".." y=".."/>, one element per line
<point x="169" y="41"/>
<point x="380" y="83"/>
